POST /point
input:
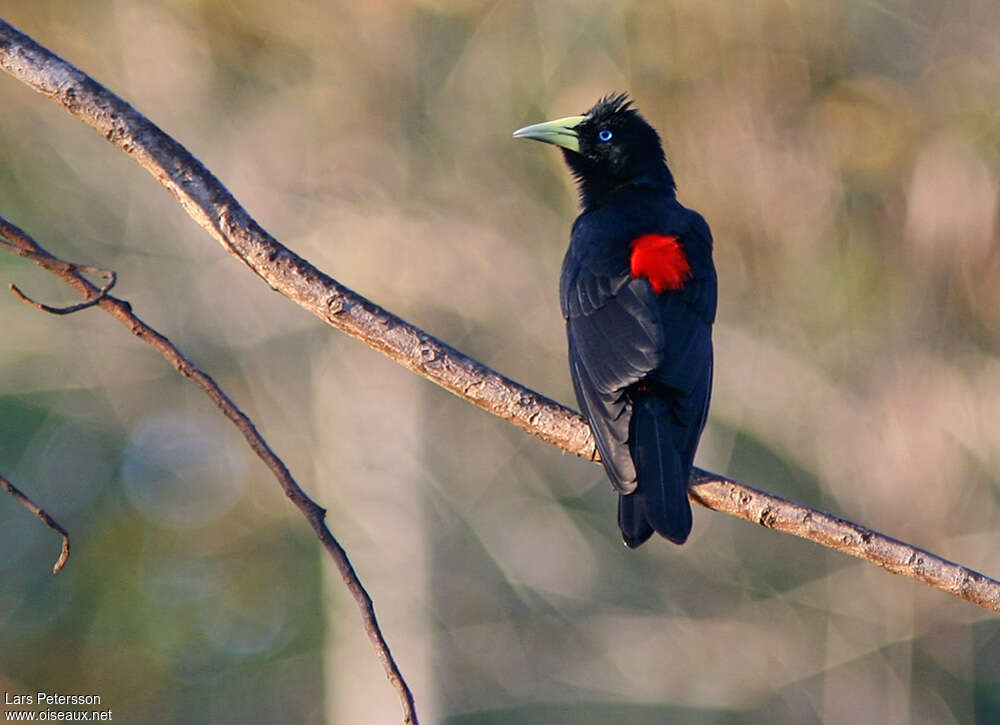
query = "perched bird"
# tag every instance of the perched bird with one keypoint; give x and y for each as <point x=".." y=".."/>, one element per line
<point x="638" y="291"/>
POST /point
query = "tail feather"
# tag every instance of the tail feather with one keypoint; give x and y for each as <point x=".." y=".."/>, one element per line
<point x="660" y="501"/>
<point x="632" y="520"/>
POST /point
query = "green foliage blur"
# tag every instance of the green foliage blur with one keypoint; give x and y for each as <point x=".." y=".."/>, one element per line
<point x="847" y="157"/>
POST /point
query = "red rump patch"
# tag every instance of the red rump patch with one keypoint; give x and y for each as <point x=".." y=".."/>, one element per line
<point x="660" y="259"/>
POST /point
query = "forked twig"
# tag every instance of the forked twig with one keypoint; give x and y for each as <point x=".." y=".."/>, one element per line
<point x="101" y="293"/>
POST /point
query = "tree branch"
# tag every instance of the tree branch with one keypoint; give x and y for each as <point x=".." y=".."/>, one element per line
<point x="40" y="513"/>
<point x="20" y="243"/>
<point x="211" y="205"/>
<point x="773" y="512"/>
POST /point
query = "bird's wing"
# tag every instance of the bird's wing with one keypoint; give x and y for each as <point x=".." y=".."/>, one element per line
<point x="611" y="348"/>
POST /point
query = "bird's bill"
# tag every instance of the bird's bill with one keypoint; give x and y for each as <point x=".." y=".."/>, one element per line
<point x="561" y="132"/>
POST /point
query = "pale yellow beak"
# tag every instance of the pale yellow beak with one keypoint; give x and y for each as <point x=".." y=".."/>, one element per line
<point x="561" y="132"/>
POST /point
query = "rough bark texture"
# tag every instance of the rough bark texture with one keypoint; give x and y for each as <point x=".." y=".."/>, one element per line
<point x="211" y="205"/>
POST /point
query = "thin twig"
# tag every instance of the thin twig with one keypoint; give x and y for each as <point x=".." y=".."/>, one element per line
<point x="101" y="293"/>
<point x="212" y="205"/>
<point x="24" y="245"/>
<point x="40" y="513"/>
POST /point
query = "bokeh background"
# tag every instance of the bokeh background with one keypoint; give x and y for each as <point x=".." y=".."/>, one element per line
<point x="847" y="156"/>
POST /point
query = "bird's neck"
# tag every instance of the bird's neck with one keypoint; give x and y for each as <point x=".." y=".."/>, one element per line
<point x="598" y="190"/>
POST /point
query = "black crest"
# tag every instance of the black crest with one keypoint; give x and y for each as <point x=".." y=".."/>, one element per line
<point x="611" y="105"/>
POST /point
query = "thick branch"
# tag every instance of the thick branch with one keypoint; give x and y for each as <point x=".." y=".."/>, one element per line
<point x="20" y="243"/>
<point x="214" y="208"/>
<point x="759" y="507"/>
<point x="40" y="513"/>
<point x="212" y="205"/>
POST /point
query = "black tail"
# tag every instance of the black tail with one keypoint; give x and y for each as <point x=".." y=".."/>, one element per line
<point x="660" y="502"/>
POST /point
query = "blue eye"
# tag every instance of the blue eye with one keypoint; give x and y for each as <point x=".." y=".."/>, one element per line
<point x="604" y="134"/>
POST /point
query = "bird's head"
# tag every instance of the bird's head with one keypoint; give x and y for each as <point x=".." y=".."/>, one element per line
<point x="608" y="147"/>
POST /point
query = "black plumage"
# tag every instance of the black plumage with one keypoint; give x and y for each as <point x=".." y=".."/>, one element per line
<point x="638" y="290"/>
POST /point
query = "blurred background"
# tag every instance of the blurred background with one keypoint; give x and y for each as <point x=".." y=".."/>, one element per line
<point x="847" y="156"/>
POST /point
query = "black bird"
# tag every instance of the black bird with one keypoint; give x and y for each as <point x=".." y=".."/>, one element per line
<point x="638" y="291"/>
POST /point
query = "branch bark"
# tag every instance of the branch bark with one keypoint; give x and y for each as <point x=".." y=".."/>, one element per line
<point x="211" y="205"/>
<point x="20" y="243"/>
